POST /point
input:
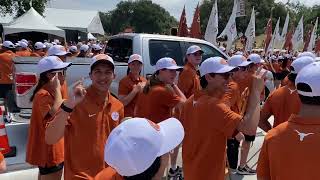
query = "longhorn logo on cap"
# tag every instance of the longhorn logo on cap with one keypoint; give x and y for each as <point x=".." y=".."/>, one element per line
<point x="154" y="125"/>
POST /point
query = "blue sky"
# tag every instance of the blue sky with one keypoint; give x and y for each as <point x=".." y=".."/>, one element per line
<point x="173" y="6"/>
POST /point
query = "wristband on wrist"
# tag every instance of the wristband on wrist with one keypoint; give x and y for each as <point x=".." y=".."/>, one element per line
<point x="65" y="108"/>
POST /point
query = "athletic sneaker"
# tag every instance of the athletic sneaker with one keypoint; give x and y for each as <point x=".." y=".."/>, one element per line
<point x="246" y="170"/>
<point x="175" y="174"/>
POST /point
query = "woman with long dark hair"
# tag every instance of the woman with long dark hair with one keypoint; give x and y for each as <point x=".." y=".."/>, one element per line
<point x="46" y="100"/>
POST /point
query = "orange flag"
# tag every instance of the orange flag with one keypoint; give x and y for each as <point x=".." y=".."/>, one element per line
<point x="317" y="48"/>
<point x="288" y="43"/>
<point x="307" y="40"/>
<point x="268" y="32"/>
<point x="183" y="27"/>
<point x="195" y="26"/>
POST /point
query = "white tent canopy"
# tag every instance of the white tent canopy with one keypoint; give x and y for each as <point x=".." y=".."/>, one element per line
<point x="81" y="20"/>
<point x="90" y="36"/>
<point x="32" y="21"/>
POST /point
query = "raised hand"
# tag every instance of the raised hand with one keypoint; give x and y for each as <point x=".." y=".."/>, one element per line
<point x="77" y="95"/>
<point x="54" y="83"/>
<point x="258" y="80"/>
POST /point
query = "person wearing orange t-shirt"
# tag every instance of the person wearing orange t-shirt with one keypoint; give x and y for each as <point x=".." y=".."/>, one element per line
<point x="131" y="85"/>
<point x="208" y="121"/>
<point x="3" y="166"/>
<point x="6" y="65"/>
<point x="60" y="51"/>
<point x="73" y="51"/>
<point x="291" y="150"/>
<point x="160" y="97"/>
<point x="285" y="100"/>
<point x="39" y="49"/>
<point x="189" y="80"/>
<point x="188" y="83"/>
<point x="24" y="50"/>
<point x="85" y="120"/>
<point x="46" y="100"/>
<point x="234" y="98"/>
<point x="142" y="142"/>
<point x="249" y="137"/>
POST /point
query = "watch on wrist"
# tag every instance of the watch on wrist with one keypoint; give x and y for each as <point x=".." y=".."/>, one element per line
<point x="65" y="108"/>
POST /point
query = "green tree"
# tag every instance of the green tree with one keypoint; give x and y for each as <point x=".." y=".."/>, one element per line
<point x="143" y="15"/>
<point x="19" y="7"/>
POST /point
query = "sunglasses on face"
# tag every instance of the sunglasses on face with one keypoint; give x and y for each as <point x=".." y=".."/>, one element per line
<point x="226" y="76"/>
<point x="243" y="68"/>
<point x="197" y="53"/>
<point x="62" y="72"/>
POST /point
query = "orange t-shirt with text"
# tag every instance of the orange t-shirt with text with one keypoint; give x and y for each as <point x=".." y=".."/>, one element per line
<point x="287" y="155"/>
<point x="281" y="103"/>
<point x="88" y="128"/>
<point x="207" y="122"/>
<point x="125" y="87"/>
<point x="39" y="153"/>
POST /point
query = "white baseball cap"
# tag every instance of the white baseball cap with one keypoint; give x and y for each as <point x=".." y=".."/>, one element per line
<point x="192" y="49"/>
<point x="167" y="63"/>
<point x="25" y="41"/>
<point x="239" y="53"/>
<point x="215" y="65"/>
<point x="300" y="63"/>
<point x="309" y="75"/>
<point x="39" y="45"/>
<point x="222" y="48"/>
<point x="273" y="57"/>
<point x="73" y="49"/>
<point x="134" y="145"/>
<point x="238" y="61"/>
<point x="96" y="47"/>
<point x="8" y="44"/>
<point x="255" y="58"/>
<point x="51" y="63"/>
<point x="57" y="50"/>
<point x="48" y="45"/>
<point x="101" y="57"/>
<point x="84" y="48"/>
<point x="23" y="44"/>
<point x="307" y="53"/>
<point x="135" y="57"/>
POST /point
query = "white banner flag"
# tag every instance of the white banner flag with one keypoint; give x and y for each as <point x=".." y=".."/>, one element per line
<point x="231" y="29"/>
<point x="212" y="26"/>
<point x="297" y="38"/>
<point x="275" y="37"/>
<point x="241" y="8"/>
<point x="284" y="31"/>
<point x="313" y="37"/>
<point x="251" y="32"/>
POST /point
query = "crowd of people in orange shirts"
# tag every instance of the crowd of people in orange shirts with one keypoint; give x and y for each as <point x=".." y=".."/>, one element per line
<point x="213" y="109"/>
